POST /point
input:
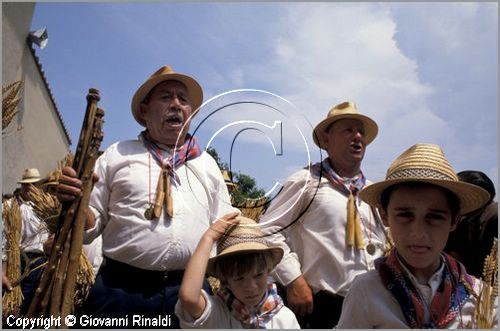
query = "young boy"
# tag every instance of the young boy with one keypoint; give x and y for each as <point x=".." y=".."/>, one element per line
<point x="417" y="285"/>
<point x="246" y="299"/>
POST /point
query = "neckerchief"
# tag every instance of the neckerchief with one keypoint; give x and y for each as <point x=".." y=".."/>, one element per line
<point x="354" y="234"/>
<point x="446" y="303"/>
<point x="188" y="151"/>
<point x="255" y="317"/>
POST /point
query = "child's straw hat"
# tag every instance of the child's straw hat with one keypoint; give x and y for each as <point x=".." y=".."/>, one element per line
<point x="426" y="163"/>
<point x="242" y="238"/>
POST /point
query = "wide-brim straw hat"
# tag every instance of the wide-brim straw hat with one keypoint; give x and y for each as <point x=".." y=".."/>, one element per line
<point x="243" y="238"/>
<point x="194" y="90"/>
<point x="31" y="175"/>
<point x="343" y="110"/>
<point x="427" y="163"/>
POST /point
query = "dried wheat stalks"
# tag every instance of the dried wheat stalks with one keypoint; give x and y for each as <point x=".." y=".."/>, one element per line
<point x="11" y="301"/>
<point x="484" y="314"/>
<point x="47" y="207"/>
<point x="84" y="280"/>
<point x="254" y="208"/>
<point x="10" y="102"/>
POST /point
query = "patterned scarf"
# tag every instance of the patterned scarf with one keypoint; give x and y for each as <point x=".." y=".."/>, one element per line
<point x="256" y="317"/>
<point x="354" y="234"/>
<point x="188" y="151"/>
<point x="446" y="303"/>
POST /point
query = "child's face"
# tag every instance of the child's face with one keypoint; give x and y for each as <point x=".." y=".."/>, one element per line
<point x="250" y="287"/>
<point x="420" y="221"/>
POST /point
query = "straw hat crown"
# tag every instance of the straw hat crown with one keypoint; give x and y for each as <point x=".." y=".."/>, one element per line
<point x="30" y="175"/>
<point x="166" y="73"/>
<point x="243" y="237"/>
<point x="427" y="163"/>
<point x="343" y="110"/>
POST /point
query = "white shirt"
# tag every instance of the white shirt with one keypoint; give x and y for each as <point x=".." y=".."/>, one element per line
<point x="217" y="316"/>
<point x="315" y="244"/>
<point x="33" y="231"/>
<point x="370" y="305"/>
<point x="127" y="186"/>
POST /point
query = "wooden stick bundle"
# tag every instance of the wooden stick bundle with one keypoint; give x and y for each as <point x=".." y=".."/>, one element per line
<point x="56" y="290"/>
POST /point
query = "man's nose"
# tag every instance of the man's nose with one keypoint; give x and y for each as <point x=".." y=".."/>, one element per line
<point x="175" y="103"/>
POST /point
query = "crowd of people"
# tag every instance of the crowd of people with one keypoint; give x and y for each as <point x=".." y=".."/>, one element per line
<point x="332" y="249"/>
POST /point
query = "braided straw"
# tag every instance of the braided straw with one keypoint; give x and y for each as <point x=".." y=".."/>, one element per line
<point x="427" y="163"/>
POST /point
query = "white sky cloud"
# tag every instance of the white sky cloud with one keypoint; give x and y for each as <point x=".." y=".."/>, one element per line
<point x="426" y="72"/>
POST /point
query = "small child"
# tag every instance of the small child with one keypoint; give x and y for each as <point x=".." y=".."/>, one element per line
<point x="243" y="263"/>
<point x="417" y="285"/>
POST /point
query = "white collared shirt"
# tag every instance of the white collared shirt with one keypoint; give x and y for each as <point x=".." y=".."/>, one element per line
<point x="127" y="185"/>
<point x="315" y="244"/>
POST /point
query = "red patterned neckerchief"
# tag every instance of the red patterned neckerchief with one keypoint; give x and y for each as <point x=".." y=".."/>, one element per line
<point x="255" y="317"/>
<point x="446" y="303"/>
<point x="168" y="161"/>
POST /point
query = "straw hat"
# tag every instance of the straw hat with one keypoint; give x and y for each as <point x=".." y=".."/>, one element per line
<point x="166" y="73"/>
<point x="244" y="237"/>
<point x="31" y="175"/>
<point x="426" y="163"/>
<point x="343" y="110"/>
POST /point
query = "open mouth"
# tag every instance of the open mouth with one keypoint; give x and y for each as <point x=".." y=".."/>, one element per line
<point x="356" y="146"/>
<point x="174" y="119"/>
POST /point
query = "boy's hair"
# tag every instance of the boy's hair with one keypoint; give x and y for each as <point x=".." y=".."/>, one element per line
<point x="453" y="201"/>
<point x="241" y="264"/>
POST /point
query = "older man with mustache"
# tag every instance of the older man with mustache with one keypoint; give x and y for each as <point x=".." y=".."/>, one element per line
<point x="328" y="234"/>
<point x="154" y="198"/>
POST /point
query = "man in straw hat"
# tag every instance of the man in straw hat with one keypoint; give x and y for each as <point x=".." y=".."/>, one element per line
<point x="33" y="235"/>
<point x="337" y="236"/>
<point x="417" y="285"/>
<point x="154" y="198"/>
<point x="247" y="299"/>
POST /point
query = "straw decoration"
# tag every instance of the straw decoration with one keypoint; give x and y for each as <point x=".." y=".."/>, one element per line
<point x="11" y="301"/>
<point x="10" y="102"/>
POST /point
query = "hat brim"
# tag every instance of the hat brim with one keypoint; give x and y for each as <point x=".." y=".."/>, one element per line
<point x="471" y="197"/>
<point x="245" y="248"/>
<point x="194" y="91"/>
<point x="29" y="180"/>
<point x="371" y="128"/>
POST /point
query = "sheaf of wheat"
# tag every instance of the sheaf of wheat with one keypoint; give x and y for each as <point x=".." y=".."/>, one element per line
<point x="10" y="100"/>
<point x="484" y="315"/>
<point x="11" y="301"/>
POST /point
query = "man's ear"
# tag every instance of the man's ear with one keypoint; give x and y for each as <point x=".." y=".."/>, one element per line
<point x="454" y="222"/>
<point x="383" y="215"/>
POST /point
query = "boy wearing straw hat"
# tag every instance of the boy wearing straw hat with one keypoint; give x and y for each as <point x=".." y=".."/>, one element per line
<point x="154" y="198"/>
<point x="328" y="234"/>
<point x="417" y="285"/>
<point x="247" y="298"/>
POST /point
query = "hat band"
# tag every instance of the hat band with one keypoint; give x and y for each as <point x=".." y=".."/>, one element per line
<point x="420" y="173"/>
<point x="239" y="239"/>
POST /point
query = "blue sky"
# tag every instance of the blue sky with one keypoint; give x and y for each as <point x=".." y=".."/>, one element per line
<point x="425" y="72"/>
